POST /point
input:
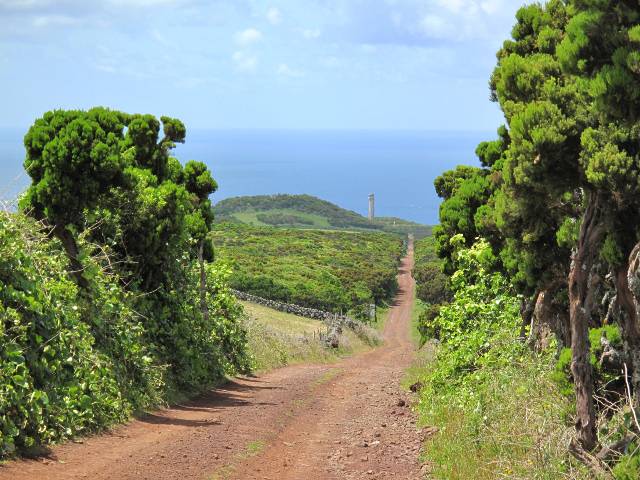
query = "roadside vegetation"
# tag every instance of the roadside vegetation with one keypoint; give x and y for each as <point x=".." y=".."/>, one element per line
<point x="329" y="270"/>
<point x="108" y="302"/>
<point x="306" y="211"/>
<point x="537" y="341"/>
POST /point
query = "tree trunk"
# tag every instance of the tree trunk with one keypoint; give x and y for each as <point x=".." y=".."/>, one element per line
<point x="203" y="283"/>
<point x="73" y="253"/>
<point x="541" y="321"/>
<point x="591" y="233"/>
<point x="526" y="313"/>
<point x="626" y="276"/>
<point x="548" y="318"/>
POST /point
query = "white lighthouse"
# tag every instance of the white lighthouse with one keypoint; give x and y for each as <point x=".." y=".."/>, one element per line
<point x="372" y="206"/>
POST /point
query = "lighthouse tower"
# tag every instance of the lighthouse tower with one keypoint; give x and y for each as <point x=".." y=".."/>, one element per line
<point x="372" y="206"/>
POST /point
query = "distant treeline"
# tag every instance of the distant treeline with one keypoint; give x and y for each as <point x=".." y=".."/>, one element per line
<point x="281" y="219"/>
<point x="337" y="217"/>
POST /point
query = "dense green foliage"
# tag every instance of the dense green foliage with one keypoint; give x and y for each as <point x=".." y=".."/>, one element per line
<point x="60" y="375"/>
<point x="484" y="381"/>
<point x="482" y="314"/>
<point x="109" y="172"/>
<point x="73" y="363"/>
<point x="432" y="285"/>
<point x="330" y="270"/>
<point x="305" y="211"/>
<point x="107" y="303"/>
<point x="283" y="219"/>
<point x="554" y="205"/>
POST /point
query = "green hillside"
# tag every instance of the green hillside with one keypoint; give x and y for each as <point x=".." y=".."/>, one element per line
<point x="306" y="211"/>
<point x="331" y="270"/>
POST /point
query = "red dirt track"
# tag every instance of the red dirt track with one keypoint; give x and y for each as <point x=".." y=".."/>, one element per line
<point x="308" y="422"/>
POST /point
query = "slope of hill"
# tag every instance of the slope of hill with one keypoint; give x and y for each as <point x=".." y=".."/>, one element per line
<point x="330" y="270"/>
<point x="306" y="211"/>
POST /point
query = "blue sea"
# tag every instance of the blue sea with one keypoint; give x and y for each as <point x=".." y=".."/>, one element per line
<point x="343" y="167"/>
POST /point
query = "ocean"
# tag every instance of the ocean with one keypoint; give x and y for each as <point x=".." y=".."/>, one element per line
<point x="343" y="167"/>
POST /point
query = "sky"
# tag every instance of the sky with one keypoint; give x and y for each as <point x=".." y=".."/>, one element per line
<point x="248" y="64"/>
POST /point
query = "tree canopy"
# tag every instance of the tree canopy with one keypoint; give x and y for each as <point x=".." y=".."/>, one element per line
<point x="557" y="189"/>
<point x="110" y="173"/>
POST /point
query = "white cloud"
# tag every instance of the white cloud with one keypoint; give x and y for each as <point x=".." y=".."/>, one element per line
<point x="43" y="21"/>
<point x="23" y="4"/>
<point x="457" y="6"/>
<point x="311" y="33"/>
<point x="423" y="22"/>
<point x="491" y="6"/>
<point x="285" y="70"/>
<point x="331" y="62"/>
<point x="274" y="16"/>
<point x="435" y="26"/>
<point x="143" y="3"/>
<point x="105" y="67"/>
<point x="245" y="62"/>
<point x="248" y="36"/>
<point x="160" y="38"/>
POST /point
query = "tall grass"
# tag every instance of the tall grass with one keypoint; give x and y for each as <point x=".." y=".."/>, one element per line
<point x="277" y="339"/>
<point x="513" y="425"/>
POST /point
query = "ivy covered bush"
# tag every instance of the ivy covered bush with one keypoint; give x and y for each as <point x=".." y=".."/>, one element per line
<point x="479" y="327"/>
<point x="59" y="374"/>
<point x="108" y="302"/>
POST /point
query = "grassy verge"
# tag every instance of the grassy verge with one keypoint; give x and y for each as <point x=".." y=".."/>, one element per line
<point x="277" y="339"/>
<point x="382" y="315"/>
<point x="496" y="408"/>
<point x="418" y="307"/>
<point x="515" y="427"/>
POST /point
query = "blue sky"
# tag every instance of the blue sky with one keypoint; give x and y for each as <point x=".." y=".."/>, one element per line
<point x="308" y="64"/>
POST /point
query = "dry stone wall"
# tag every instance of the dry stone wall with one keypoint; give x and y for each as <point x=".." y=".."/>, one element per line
<point x="327" y="317"/>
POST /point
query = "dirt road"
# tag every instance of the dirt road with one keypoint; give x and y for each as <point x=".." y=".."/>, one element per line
<point x="312" y="422"/>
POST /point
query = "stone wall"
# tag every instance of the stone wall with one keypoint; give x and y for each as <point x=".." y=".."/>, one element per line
<point x="327" y="317"/>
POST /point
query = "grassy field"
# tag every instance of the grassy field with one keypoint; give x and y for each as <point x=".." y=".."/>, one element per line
<point x="277" y="339"/>
<point x="304" y="220"/>
<point x="331" y="270"/>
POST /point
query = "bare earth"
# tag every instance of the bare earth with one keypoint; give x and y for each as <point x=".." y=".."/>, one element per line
<point x="348" y="420"/>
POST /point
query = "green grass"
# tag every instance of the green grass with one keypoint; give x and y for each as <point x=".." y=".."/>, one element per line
<point x="515" y="429"/>
<point x="277" y="339"/>
<point x="327" y="377"/>
<point x="283" y="322"/>
<point x="252" y="449"/>
<point x="250" y="218"/>
<point x="418" y="307"/>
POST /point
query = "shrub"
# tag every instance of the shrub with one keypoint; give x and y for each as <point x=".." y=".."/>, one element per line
<point x="604" y="379"/>
<point x="77" y="360"/>
<point x="61" y="375"/>
<point x="493" y="401"/>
